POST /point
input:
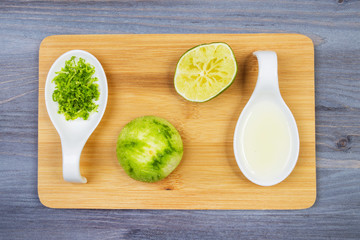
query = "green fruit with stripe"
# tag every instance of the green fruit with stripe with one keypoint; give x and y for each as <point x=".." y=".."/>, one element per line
<point x="149" y="148"/>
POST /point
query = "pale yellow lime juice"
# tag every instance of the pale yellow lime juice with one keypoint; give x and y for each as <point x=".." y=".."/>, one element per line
<point x="266" y="140"/>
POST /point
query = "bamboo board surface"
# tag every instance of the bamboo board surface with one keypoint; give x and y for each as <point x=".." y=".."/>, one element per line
<point x="140" y="71"/>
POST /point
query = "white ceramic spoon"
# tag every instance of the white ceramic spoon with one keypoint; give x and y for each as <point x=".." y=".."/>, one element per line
<point x="266" y="139"/>
<point x="74" y="133"/>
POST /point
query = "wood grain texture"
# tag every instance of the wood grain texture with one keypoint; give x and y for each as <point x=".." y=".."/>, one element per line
<point x="332" y="25"/>
<point x="140" y="70"/>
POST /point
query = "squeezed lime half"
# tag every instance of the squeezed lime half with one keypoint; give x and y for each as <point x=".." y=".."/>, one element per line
<point x="205" y="71"/>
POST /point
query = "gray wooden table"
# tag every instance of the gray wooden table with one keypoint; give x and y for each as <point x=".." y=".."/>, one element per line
<point x="334" y="27"/>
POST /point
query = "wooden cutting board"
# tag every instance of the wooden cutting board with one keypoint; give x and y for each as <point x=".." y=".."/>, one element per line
<point x="140" y="70"/>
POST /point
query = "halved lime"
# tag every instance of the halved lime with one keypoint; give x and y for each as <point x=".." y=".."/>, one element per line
<point x="205" y="71"/>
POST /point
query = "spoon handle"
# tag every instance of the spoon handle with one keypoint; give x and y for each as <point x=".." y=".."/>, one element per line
<point x="268" y="71"/>
<point x="71" y="161"/>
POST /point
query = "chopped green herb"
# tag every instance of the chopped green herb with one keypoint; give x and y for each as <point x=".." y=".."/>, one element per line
<point x="75" y="89"/>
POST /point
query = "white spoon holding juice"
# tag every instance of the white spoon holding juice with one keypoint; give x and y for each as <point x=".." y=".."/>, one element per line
<point x="266" y="139"/>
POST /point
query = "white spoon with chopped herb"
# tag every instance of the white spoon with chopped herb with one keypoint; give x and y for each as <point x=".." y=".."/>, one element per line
<point x="76" y="95"/>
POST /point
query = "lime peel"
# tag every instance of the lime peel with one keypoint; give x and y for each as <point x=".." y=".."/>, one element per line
<point x="76" y="90"/>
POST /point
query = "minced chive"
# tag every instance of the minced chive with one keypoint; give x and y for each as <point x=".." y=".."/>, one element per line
<point x="75" y="89"/>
